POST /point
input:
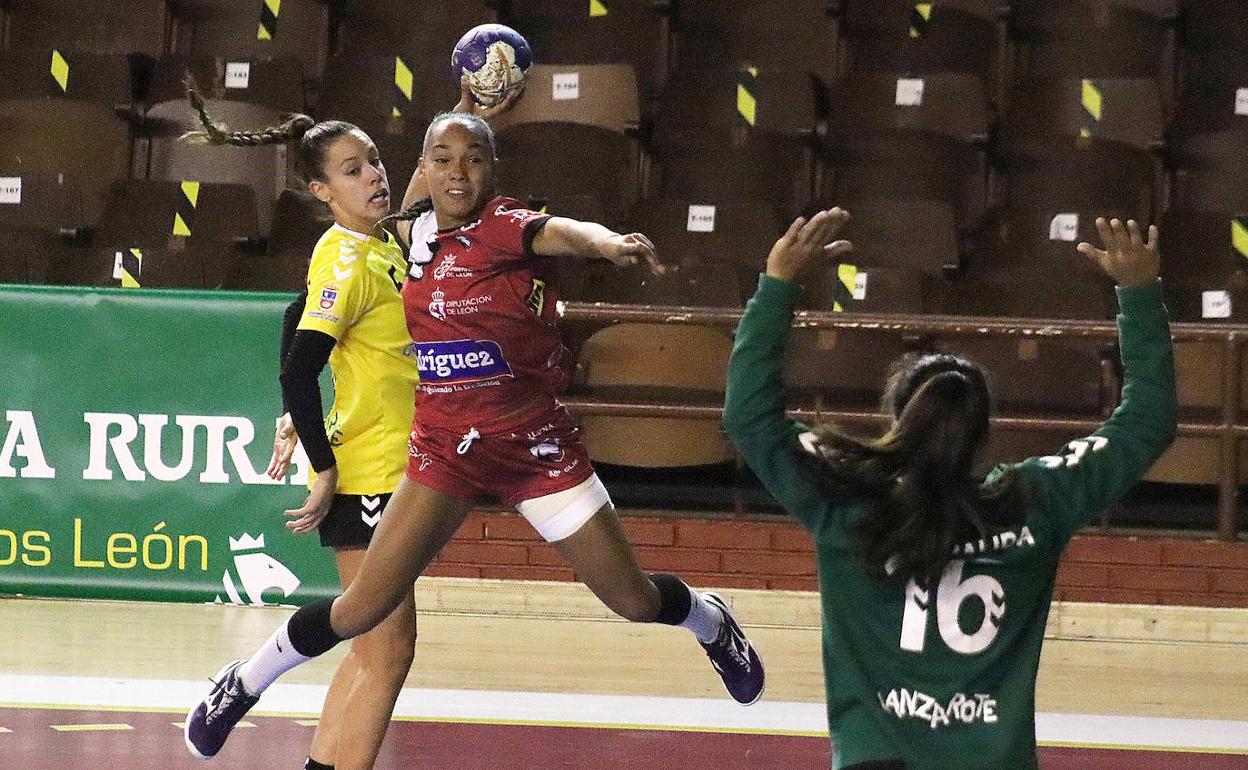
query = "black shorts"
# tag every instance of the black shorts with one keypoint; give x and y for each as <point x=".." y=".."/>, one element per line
<point x="351" y="520"/>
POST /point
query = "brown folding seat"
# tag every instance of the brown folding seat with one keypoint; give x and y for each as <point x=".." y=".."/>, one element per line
<point x="273" y="83"/>
<point x="615" y="32"/>
<point x="1074" y="173"/>
<point x="1031" y="374"/>
<point x="114" y="27"/>
<point x="676" y="362"/>
<point x="85" y="141"/>
<point x="299" y="221"/>
<point x="365" y="85"/>
<point x="396" y="25"/>
<point x="108" y="78"/>
<point x="841" y="368"/>
<point x="912" y="165"/>
<point x="1094" y="39"/>
<point x="252" y="29"/>
<point x="727" y="234"/>
<point x="857" y="287"/>
<point x="149" y="213"/>
<point x="263" y="168"/>
<point x="168" y="234"/>
<point x="1126" y="110"/>
<point x="948" y="103"/>
<point x="29" y="253"/>
<point x="571" y="135"/>
<point x="731" y="135"/>
<point x="1214" y="35"/>
<point x="267" y="272"/>
<point x="919" y="234"/>
<point x="691" y="282"/>
<point x="895" y="36"/>
<point x="42" y="200"/>
<point x="1208" y="149"/>
<point x="1042" y="240"/>
<point x="1024" y="292"/>
<point x="713" y="34"/>
<point x="1204" y="261"/>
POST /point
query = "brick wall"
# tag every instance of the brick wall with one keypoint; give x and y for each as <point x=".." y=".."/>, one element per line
<point x="735" y="553"/>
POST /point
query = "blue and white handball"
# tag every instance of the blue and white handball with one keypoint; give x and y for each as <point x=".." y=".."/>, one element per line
<point x="494" y="59"/>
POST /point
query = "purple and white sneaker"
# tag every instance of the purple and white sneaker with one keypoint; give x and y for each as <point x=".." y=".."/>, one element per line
<point x="734" y="658"/>
<point x="209" y="723"/>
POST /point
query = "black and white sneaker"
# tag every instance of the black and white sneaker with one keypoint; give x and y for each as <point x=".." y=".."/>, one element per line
<point x="210" y="722"/>
<point x="734" y="658"/>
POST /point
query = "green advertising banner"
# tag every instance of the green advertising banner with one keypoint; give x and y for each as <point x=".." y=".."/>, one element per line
<point x="135" y="430"/>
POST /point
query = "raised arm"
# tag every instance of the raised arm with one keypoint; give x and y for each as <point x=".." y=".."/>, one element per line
<point x="1089" y="474"/>
<point x="754" y="417"/>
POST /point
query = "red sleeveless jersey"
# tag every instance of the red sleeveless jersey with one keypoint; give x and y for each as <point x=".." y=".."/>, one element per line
<point x="481" y="314"/>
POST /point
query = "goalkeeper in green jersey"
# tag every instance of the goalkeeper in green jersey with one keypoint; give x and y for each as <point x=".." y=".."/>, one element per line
<point x="936" y="582"/>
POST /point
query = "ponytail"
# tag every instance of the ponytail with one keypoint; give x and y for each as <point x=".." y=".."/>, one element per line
<point x="412" y="212"/>
<point x="313" y="137"/>
<point x="918" y="478"/>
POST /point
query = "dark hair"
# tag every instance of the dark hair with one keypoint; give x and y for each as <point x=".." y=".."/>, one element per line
<point x="919" y="476"/>
<point x="314" y="138"/>
<point x="468" y="121"/>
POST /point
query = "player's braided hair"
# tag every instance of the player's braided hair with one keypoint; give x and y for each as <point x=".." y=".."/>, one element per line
<point x="314" y="138"/>
<point x="414" y="211"/>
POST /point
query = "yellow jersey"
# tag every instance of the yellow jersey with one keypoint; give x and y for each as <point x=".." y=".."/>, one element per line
<point x="353" y="296"/>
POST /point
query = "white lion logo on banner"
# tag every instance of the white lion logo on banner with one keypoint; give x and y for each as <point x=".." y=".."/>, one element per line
<point x="257" y="572"/>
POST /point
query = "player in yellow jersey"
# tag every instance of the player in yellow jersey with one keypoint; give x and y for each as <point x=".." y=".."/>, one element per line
<point x="351" y="317"/>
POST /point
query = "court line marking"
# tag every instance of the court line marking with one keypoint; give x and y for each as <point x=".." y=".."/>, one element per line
<point x="90" y="728"/>
<point x="633" y="712"/>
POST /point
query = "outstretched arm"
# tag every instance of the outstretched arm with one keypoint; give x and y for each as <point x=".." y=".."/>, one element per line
<point x="563" y="237"/>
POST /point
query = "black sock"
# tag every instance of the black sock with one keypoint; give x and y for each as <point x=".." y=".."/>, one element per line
<point x="312" y="764"/>
<point x="674" y="599"/>
<point x="310" y="631"/>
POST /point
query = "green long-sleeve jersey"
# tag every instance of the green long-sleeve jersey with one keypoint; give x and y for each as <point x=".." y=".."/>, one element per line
<point x="945" y="678"/>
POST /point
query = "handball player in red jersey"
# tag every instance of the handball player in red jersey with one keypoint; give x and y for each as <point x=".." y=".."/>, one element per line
<point x="481" y="311"/>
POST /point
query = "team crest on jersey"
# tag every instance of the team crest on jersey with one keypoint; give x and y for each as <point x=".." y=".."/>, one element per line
<point x="329" y="296"/>
<point x="448" y="269"/>
<point x="437" y="308"/>
<point x="547" y="450"/>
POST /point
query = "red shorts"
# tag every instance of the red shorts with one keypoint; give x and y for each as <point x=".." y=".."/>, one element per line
<point x="541" y="457"/>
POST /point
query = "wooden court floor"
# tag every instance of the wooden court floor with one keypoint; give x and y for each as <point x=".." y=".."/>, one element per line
<point x="542" y="665"/>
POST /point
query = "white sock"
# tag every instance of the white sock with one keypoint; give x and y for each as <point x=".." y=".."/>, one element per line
<point x="275" y="658"/>
<point x="704" y="618"/>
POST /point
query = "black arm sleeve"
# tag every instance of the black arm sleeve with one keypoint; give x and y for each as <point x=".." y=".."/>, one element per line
<point x="309" y="353"/>
<point x="290" y="322"/>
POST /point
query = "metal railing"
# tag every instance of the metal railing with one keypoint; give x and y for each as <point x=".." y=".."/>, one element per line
<point x="1227" y="428"/>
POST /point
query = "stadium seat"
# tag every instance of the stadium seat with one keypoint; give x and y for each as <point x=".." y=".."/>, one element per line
<point x="262" y="168"/>
<point x="1117" y="109"/>
<point x="1208" y="146"/>
<point x="840" y="368"/>
<point x="690" y="282"/>
<point x="50" y="202"/>
<point x="1075" y="174"/>
<point x="84" y="141"/>
<point x="422" y="35"/>
<point x="896" y="36"/>
<point x="299" y="221"/>
<point x="661" y="362"/>
<point x="571" y="136"/>
<point x="252" y="29"/>
<point x="856" y="286"/>
<point x="273" y="83"/>
<point x="901" y="138"/>
<point x="713" y="34"/>
<point x="107" y="78"/>
<point x="1094" y="39"/>
<point x="1204" y="259"/>
<point x="1025" y="292"/>
<point x="1214" y="36"/>
<point x="615" y="32"/>
<point x="1038" y="375"/>
<point x="918" y="234"/>
<point x="133" y="26"/>
<point x="733" y="135"/>
<point x="1042" y="240"/>
<point x="162" y="239"/>
<point x="29" y="254"/>
<point x="267" y="272"/>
